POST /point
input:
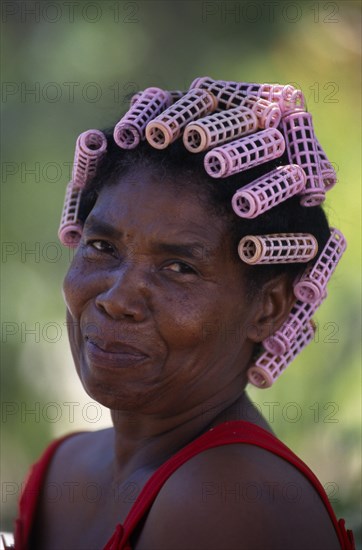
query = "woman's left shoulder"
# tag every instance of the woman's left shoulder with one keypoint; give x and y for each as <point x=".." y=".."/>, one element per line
<point x="238" y="493"/>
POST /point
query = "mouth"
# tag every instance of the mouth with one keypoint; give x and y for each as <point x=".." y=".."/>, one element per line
<point x="105" y="355"/>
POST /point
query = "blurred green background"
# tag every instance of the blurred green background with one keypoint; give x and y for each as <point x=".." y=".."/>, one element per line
<point x="67" y="67"/>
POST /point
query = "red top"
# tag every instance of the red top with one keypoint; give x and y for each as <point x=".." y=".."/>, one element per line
<point x="237" y="431"/>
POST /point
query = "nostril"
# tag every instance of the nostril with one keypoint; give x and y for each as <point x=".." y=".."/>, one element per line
<point x="119" y="303"/>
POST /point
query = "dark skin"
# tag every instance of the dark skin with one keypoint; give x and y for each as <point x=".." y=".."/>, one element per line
<point x="152" y="295"/>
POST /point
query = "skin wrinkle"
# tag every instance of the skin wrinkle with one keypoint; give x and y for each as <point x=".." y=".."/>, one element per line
<point x="184" y="298"/>
<point x="129" y="287"/>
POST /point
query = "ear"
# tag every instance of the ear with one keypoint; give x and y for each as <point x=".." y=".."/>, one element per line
<point x="275" y="302"/>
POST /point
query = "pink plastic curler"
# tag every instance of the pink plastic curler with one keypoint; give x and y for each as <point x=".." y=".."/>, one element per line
<point x="206" y="83"/>
<point x="328" y="172"/>
<point x="301" y="313"/>
<point x="268" y="367"/>
<point x="135" y="98"/>
<point x="278" y="248"/>
<point x="244" y="153"/>
<point x="302" y="149"/>
<point x="267" y="113"/>
<point x="266" y="192"/>
<point x="168" y="126"/>
<point x="247" y="88"/>
<point x="312" y="284"/>
<point x="89" y="149"/>
<point x="130" y="130"/>
<point x="224" y="91"/>
<point x="175" y="95"/>
<point x="70" y="229"/>
<point x="219" y="128"/>
<point x="287" y="96"/>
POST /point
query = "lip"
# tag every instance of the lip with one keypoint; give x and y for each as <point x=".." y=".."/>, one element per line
<point x="113" y="354"/>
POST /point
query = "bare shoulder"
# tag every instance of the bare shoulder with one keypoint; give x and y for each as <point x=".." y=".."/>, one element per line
<point x="238" y="495"/>
<point x="73" y="457"/>
<point x="67" y="498"/>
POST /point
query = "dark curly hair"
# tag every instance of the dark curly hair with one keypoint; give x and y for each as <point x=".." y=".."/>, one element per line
<point x="182" y="169"/>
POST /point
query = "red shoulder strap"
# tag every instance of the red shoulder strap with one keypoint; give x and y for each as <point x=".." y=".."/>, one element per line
<point x="30" y="494"/>
<point x="227" y="433"/>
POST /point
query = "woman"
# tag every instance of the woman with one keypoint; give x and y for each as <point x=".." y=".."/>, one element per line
<point x="166" y="319"/>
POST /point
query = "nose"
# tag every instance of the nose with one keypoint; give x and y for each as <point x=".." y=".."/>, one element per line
<point x="126" y="294"/>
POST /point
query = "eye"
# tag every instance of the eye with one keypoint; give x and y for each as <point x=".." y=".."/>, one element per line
<point x="98" y="245"/>
<point x="180" y="267"/>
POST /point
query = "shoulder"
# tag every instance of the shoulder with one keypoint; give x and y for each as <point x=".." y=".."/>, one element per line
<point x="233" y="494"/>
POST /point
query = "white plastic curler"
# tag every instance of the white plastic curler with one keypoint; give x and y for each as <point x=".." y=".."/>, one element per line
<point x="278" y="248"/>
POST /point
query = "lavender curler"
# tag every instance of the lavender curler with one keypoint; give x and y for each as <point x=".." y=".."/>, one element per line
<point x="207" y="83"/>
<point x="328" y="172"/>
<point x="301" y="313"/>
<point x="244" y="153"/>
<point x="219" y="128"/>
<point x="268" y="367"/>
<point x="278" y="248"/>
<point x="70" y="229"/>
<point x="311" y="286"/>
<point x="129" y="131"/>
<point x="89" y="149"/>
<point x="267" y="113"/>
<point x="287" y="96"/>
<point x="302" y="149"/>
<point x="268" y="191"/>
<point x="168" y="126"/>
<point x="175" y="95"/>
<point x="223" y="91"/>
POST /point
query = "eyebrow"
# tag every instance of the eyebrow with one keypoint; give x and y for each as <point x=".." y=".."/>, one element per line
<point x="194" y="250"/>
<point x="94" y="224"/>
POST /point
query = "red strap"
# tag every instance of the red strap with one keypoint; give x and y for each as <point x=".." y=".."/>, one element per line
<point x="29" y="498"/>
<point x="223" y="434"/>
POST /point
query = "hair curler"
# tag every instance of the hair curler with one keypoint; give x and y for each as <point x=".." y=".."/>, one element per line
<point x="174" y="95"/>
<point x="70" y="229"/>
<point x="267" y="113"/>
<point x="268" y="367"/>
<point x="223" y="91"/>
<point x="311" y="285"/>
<point x="89" y="149"/>
<point x="129" y="131"/>
<point x="268" y="191"/>
<point x="167" y="127"/>
<point x="328" y="172"/>
<point x="244" y="153"/>
<point x="278" y="248"/>
<point x="287" y="96"/>
<point x="302" y="149"/>
<point x="301" y="313"/>
<point x="219" y="128"/>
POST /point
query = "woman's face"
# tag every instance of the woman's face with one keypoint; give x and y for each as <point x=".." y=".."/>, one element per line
<point x="160" y="318"/>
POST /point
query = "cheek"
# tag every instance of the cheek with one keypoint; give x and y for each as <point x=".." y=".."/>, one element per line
<point x="191" y="321"/>
<point x="78" y="287"/>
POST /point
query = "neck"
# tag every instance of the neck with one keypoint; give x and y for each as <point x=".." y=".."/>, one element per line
<point x="146" y="441"/>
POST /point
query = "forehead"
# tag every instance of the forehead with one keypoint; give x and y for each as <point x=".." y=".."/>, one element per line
<point x="158" y="205"/>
